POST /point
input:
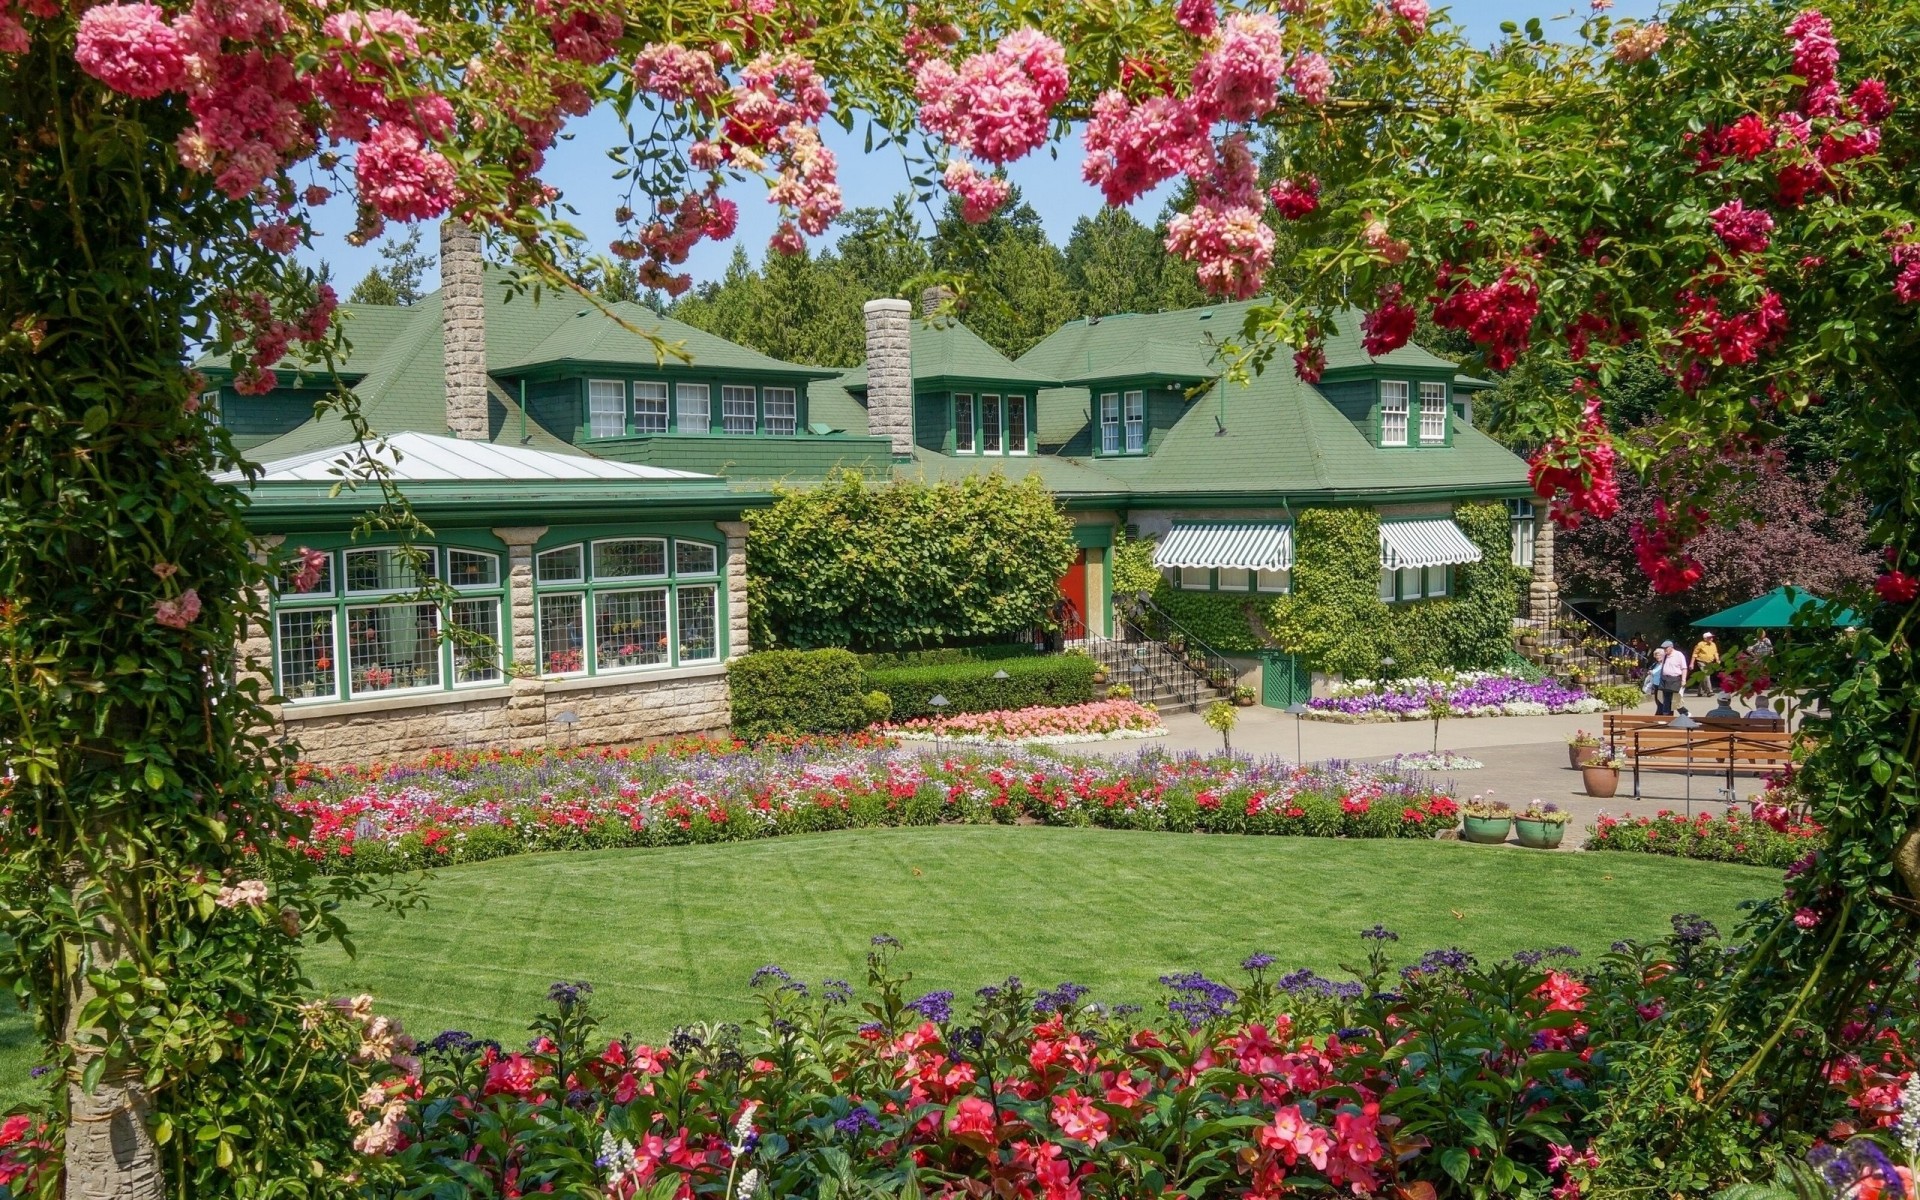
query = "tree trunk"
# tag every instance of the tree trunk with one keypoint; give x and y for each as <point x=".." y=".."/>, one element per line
<point x="110" y="1151"/>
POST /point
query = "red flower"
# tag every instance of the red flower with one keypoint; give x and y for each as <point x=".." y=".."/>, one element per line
<point x="1295" y="198"/>
<point x="1388" y="327"/>
<point x="1897" y="587"/>
<point x="1498" y="316"/>
<point x="1583" y="467"/>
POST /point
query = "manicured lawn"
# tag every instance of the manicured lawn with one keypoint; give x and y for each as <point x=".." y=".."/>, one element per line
<point x="671" y="936"/>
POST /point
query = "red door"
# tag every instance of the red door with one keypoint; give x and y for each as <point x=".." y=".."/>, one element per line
<point x="1073" y="588"/>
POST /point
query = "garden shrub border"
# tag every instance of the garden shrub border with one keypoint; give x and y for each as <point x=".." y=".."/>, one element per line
<point x="798" y="692"/>
<point x="1053" y="681"/>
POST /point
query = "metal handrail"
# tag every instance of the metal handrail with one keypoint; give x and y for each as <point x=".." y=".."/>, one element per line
<point x="1553" y="636"/>
<point x="1215" y="663"/>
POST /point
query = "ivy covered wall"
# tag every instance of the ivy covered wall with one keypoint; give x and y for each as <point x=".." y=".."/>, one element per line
<point x="1335" y="620"/>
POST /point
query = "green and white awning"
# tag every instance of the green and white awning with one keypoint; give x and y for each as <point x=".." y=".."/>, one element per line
<point x="1437" y="542"/>
<point x="1239" y="545"/>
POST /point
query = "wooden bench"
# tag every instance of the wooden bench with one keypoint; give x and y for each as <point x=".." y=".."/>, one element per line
<point x="1724" y="746"/>
<point x="1619" y="728"/>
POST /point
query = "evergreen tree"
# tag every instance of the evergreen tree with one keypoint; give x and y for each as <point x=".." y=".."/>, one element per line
<point x="397" y="282"/>
<point x="1015" y="278"/>
<point x="882" y="251"/>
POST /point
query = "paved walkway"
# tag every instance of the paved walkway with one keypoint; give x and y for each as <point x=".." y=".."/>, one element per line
<point x="1525" y="758"/>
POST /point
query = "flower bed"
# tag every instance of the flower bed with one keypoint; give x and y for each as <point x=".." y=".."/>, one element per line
<point x="1446" y="760"/>
<point x="1766" y="837"/>
<point x="1099" y="720"/>
<point x="1470" y="694"/>
<point x="467" y="807"/>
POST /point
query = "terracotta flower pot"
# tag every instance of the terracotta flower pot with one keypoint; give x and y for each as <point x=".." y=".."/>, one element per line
<point x="1600" y="781"/>
<point x="1580" y="756"/>
<point x="1487" y="831"/>
<point x="1539" y="835"/>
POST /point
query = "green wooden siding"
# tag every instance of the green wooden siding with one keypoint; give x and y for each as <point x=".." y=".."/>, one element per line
<point x="559" y="405"/>
<point x="253" y="420"/>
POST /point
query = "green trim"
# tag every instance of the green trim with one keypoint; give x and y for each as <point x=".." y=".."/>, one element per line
<point x="716" y="384"/>
<point x="1253" y="587"/>
<point x="1423" y="595"/>
<point x="950" y="440"/>
<point x="556" y="368"/>
<point x="672" y="583"/>
<point x="1091" y="536"/>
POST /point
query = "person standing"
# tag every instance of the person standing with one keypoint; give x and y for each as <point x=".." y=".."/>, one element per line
<point x="1761" y="648"/>
<point x="1672" y="678"/>
<point x="1706" y="660"/>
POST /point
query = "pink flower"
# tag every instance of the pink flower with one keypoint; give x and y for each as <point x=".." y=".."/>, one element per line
<point x="252" y="893"/>
<point x="1198" y="17"/>
<point x="1869" y="101"/>
<point x="1638" y="43"/>
<point x="787" y="239"/>
<point x="401" y="178"/>
<point x="980" y="195"/>
<point x="1388" y="327"/>
<point x="1296" y="198"/>
<point x="1079" y="1119"/>
<point x="674" y="72"/>
<point x="278" y="236"/>
<point x="131" y="49"/>
<point x="1815" y="54"/>
<point x="972" y="1115"/>
<point x="1806" y="918"/>
<point x="1310" y="362"/>
<point x="1749" y="137"/>
<point x="1135" y="148"/>
<point x="178" y="613"/>
<point x="1379" y="239"/>
<point x="306" y="576"/>
<point x="1413" y="12"/>
<point x="13" y="34"/>
<point x="998" y="105"/>
<point x="1312" y="77"/>
<point x="1239" y="77"/>
<point x="1293" y="1137"/>
<point x="1897" y="587"/>
<point x="1744" y="230"/>
<point x="1498" y="316"/>
<point x="1231" y="247"/>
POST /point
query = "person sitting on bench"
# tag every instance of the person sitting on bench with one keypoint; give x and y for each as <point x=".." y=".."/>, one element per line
<point x="1723" y="707"/>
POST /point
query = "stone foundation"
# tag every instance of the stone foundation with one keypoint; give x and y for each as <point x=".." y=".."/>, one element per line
<point x="522" y="714"/>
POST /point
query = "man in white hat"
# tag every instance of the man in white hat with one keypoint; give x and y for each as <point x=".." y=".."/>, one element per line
<point x="1706" y="660"/>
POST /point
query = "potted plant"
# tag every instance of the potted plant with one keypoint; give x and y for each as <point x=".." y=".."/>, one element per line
<point x="1243" y="696"/>
<point x="1099" y="673"/>
<point x="1541" y="826"/>
<point x="1120" y="691"/>
<point x="1220" y="677"/>
<point x="1581" y="747"/>
<point x="1486" y="822"/>
<point x="1176" y="642"/>
<point x="1602" y="772"/>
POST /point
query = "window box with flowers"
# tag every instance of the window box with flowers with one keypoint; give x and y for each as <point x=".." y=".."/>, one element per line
<point x="608" y="605"/>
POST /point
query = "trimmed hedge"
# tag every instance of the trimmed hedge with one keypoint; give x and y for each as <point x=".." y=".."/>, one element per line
<point x="950" y="654"/>
<point x="799" y="691"/>
<point x="970" y="686"/>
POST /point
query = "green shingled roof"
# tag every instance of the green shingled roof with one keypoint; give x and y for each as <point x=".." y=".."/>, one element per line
<point x="1064" y="477"/>
<point x="588" y="336"/>
<point x="1157" y="359"/>
<point x="947" y="349"/>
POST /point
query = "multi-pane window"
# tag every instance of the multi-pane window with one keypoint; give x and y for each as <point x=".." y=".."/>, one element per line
<point x="782" y="410"/>
<point x="1228" y="579"/>
<point x="210" y="405"/>
<point x="693" y="403"/>
<point x="1196" y="579"/>
<point x="990" y="442"/>
<point x="1415" y="583"/>
<point x="649" y="407"/>
<point x="1393" y="413"/>
<point x="736" y="409"/>
<point x="962" y="423"/>
<point x="1110" y="423"/>
<point x="1273" y="581"/>
<point x="1520" y="524"/>
<point x="606" y="408"/>
<point x="375" y="633"/>
<point x="1433" y="413"/>
<point x="1232" y="579"/>
<point x="1017" y="425"/>
<point x="1136" y="422"/>
<point x="618" y="604"/>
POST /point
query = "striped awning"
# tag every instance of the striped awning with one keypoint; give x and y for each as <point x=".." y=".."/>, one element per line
<point x="1244" y="545"/>
<point x="1429" y="543"/>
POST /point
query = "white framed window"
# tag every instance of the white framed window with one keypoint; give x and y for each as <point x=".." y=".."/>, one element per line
<point x="210" y="405"/>
<point x="1234" y="579"/>
<point x="476" y="646"/>
<point x="472" y="568"/>
<point x="390" y="569"/>
<point x="1436" y="581"/>
<point x="606" y="408"/>
<point x="1393" y="412"/>
<point x="962" y="423"/>
<point x="1136" y="422"/>
<point x="695" y="558"/>
<point x="1196" y="579"/>
<point x="1273" y="581"/>
<point x="630" y="629"/>
<point x="1433" y="413"/>
<point x="1388" y="592"/>
<point x="649" y="406"/>
<point x="1409" y="583"/>
<point x="783" y="410"/>
<point x="308" y="650"/>
<point x="990" y="433"/>
<point x="698" y="623"/>
<point x="568" y="564"/>
<point x="1017" y="425"/>
<point x="1110" y="423"/>
<point x="630" y="558"/>
<point x="392" y="648"/>
<point x="1521" y="527"/>
<point x="736" y="409"/>
<point x="693" y="407"/>
<point x="563" y="633"/>
<point x="322" y="581"/>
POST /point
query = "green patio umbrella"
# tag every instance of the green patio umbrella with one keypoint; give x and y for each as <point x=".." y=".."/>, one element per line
<point x="1774" y="610"/>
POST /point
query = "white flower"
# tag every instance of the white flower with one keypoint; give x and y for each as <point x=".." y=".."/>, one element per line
<point x="749" y="1183"/>
<point x="1909" y="1123"/>
<point x="743" y="1127"/>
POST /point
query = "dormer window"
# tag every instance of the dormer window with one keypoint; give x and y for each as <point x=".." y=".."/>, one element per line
<point x="990" y="442"/>
<point x="693" y="403"/>
<point x="1433" y="413"/>
<point x="606" y="408"/>
<point x="1017" y="426"/>
<point x="736" y="409"/>
<point x="962" y="423"/>
<point x="1393" y="412"/>
<point x="1136" y="418"/>
<point x="782" y="410"/>
<point x="649" y="407"/>
<point x="1110" y="423"/>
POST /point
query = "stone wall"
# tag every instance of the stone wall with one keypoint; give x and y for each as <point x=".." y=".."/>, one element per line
<point x="525" y="714"/>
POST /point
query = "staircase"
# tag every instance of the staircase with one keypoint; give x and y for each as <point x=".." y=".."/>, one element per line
<point x="1571" y="646"/>
<point x="1159" y="675"/>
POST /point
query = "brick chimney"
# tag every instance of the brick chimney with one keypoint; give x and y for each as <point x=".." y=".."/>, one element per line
<point x="890" y="373"/>
<point x="463" y="328"/>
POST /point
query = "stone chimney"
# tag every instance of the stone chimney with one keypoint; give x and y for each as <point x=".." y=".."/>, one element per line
<point x="890" y="373"/>
<point x="463" y="328"/>
<point x="932" y="298"/>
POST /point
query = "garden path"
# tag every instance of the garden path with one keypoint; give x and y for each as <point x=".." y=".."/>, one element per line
<point x="1525" y="757"/>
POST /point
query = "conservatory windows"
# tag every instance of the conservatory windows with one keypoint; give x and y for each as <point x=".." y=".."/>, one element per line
<point x="594" y="616"/>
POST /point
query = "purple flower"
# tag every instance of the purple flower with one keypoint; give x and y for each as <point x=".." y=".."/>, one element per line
<point x="1256" y="962"/>
<point x="1064" y="998"/>
<point x="567" y="995"/>
<point x="1380" y="933"/>
<point x="1434" y="962"/>
<point x="859" y="1118"/>
<point x="1197" y="998"/>
<point x="769" y="972"/>
<point x="934" y="1006"/>
<point x="836" y="991"/>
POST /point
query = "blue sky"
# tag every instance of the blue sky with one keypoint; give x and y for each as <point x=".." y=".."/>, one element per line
<point x="579" y="167"/>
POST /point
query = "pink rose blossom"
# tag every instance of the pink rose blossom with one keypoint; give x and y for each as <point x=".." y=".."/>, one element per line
<point x="1413" y="12"/>
<point x="1806" y="918"/>
<point x="1296" y="198"/>
<point x="401" y="178"/>
<point x="278" y="236"/>
<point x="1239" y="78"/>
<point x="13" y="34"/>
<point x="980" y="195"/>
<point x="249" y="893"/>
<point x="131" y="49"/>
<point x="1389" y="326"/>
<point x="1638" y="43"/>
<point x="178" y="613"/>
<point x="1744" y="230"/>
<point x="998" y="104"/>
<point x="1198" y="17"/>
<point x="1135" y="148"/>
<point x="1312" y="77"/>
<point x="1815" y="54"/>
<point x="1229" y="244"/>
